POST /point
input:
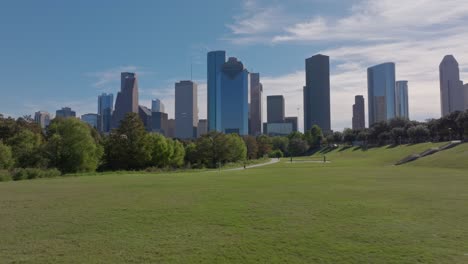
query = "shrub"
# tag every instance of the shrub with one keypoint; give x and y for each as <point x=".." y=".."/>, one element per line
<point x="276" y="154"/>
<point x="33" y="173"/>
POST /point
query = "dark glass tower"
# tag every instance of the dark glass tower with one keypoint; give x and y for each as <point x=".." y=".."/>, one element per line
<point x="215" y="62"/>
<point x="275" y="109"/>
<point x="317" y="93"/>
<point x="127" y="98"/>
<point x="381" y="92"/>
<point x="256" y="90"/>
<point x="358" y="113"/>
<point x="105" y="108"/>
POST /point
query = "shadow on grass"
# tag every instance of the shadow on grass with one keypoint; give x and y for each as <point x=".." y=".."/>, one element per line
<point x="345" y="148"/>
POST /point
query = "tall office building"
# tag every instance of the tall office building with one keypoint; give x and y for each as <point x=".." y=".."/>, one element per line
<point x="186" y="109"/>
<point x="170" y="128"/>
<point x="215" y="62"/>
<point x="145" y="116"/>
<point x="157" y="106"/>
<point x="359" y="113"/>
<point x="42" y="118"/>
<point x="381" y="92"/>
<point x="294" y="121"/>
<point x="105" y="108"/>
<point x="275" y="109"/>
<point x="159" y="123"/>
<point x="317" y="93"/>
<point x="202" y="128"/>
<point x="90" y="119"/>
<point x="466" y="96"/>
<point x="401" y="99"/>
<point x="127" y="99"/>
<point x="234" y="102"/>
<point x="451" y="88"/>
<point x="65" y="112"/>
<point x="256" y="92"/>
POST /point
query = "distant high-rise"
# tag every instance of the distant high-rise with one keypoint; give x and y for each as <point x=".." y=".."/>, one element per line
<point x="127" y="98"/>
<point x="145" y="116"/>
<point x="256" y="91"/>
<point x="186" y="109"/>
<point x="466" y="96"/>
<point x="159" y="123"/>
<point x="42" y="118"/>
<point x="90" y="119"/>
<point x="275" y="109"/>
<point x="170" y="128"/>
<point x="381" y="92"/>
<point x="157" y="106"/>
<point x="317" y="93"/>
<point x="234" y="98"/>
<point x="202" y="128"/>
<point x="359" y="113"/>
<point x="294" y="121"/>
<point x="105" y="108"/>
<point x="401" y="99"/>
<point x="451" y="88"/>
<point x="65" y="112"/>
<point x="215" y="62"/>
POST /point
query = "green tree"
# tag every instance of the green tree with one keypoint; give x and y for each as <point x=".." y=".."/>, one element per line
<point x="298" y="147"/>
<point x="26" y="147"/>
<point x="71" y="147"/>
<point x="264" y="145"/>
<point x="349" y="136"/>
<point x="178" y="155"/>
<point x="160" y="155"/>
<point x="6" y="157"/>
<point x="280" y="143"/>
<point x="418" y="133"/>
<point x="252" y="147"/>
<point x="314" y="136"/>
<point x="129" y="146"/>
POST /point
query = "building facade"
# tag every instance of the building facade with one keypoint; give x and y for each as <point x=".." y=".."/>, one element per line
<point x="159" y="123"/>
<point x="105" y="109"/>
<point x="275" y="109"/>
<point x="256" y="93"/>
<point x="90" y="119"/>
<point x="42" y="118"/>
<point x="294" y="121"/>
<point x="234" y="103"/>
<point x="381" y="92"/>
<point x="466" y="96"/>
<point x="65" y="112"/>
<point x="145" y="116"/>
<point x="451" y="87"/>
<point x="127" y="99"/>
<point x="278" y="129"/>
<point x="157" y="106"/>
<point x="317" y="93"/>
<point x="202" y="128"/>
<point x="215" y="62"/>
<point x="401" y="99"/>
<point x="170" y="128"/>
<point x="186" y="110"/>
<point x="359" y="113"/>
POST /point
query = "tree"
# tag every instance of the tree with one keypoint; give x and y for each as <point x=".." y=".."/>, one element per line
<point x="418" y="133"/>
<point x="128" y="147"/>
<point x="252" y="147"/>
<point x="264" y="145"/>
<point x="6" y="157"/>
<point x="26" y="147"/>
<point x="191" y="157"/>
<point x="71" y="147"/>
<point x="337" y="137"/>
<point x="397" y="134"/>
<point x="177" y="158"/>
<point x="280" y="143"/>
<point x="160" y="155"/>
<point x="349" y="136"/>
<point x="314" y="136"/>
<point x="462" y="122"/>
<point x="298" y="147"/>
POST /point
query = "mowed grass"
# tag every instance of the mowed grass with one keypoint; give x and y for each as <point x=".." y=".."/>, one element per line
<point x="357" y="209"/>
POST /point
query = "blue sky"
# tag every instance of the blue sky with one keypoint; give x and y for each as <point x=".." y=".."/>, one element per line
<point x="64" y="53"/>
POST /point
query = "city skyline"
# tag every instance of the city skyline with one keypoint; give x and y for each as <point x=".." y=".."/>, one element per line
<point x="303" y="29"/>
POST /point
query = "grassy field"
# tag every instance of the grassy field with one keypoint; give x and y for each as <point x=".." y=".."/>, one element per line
<point x="357" y="209"/>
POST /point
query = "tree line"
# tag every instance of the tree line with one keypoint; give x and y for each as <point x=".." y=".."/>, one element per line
<point x="71" y="146"/>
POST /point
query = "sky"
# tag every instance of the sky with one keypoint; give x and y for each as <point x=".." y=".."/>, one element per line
<point x="57" y="53"/>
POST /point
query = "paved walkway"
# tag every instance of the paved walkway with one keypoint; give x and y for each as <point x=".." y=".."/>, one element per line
<point x="272" y="161"/>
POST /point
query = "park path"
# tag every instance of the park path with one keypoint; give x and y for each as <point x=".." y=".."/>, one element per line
<point x="272" y="161"/>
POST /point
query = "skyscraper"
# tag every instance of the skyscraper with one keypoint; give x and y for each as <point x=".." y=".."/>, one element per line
<point x="42" y="118"/>
<point x="65" y="112"/>
<point x="105" y="108"/>
<point x="127" y="98"/>
<point x="466" y="96"/>
<point x="145" y="116"/>
<point x="275" y="109"/>
<point x="234" y="103"/>
<point x="159" y="123"/>
<point x="381" y="92"/>
<point x="317" y="93"/>
<point x="451" y="88"/>
<point x="401" y="99"/>
<point x="294" y="121"/>
<point x="90" y="119"/>
<point x="216" y="60"/>
<point x="186" y="109"/>
<point x="202" y="128"/>
<point x="170" y="128"/>
<point x="256" y="91"/>
<point x="358" y="113"/>
<point x="157" y="106"/>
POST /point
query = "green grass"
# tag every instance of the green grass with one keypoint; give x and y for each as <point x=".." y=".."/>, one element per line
<point x="357" y="209"/>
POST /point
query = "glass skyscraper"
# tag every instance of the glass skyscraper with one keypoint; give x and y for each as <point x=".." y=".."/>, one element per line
<point x="451" y="87"/>
<point x="127" y="99"/>
<point x="256" y="91"/>
<point x="317" y="93"/>
<point x="233" y="103"/>
<point x="381" y="92"/>
<point x="186" y="109"/>
<point x="401" y="99"/>
<point x="216" y="60"/>
<point x="105" y="108"/>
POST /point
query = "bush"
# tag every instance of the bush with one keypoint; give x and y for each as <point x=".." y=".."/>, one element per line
<point x="33" y="173"/>
<point x="276" y="154"/>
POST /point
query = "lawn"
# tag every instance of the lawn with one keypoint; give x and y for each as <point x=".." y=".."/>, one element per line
<point x="357" y="209"/>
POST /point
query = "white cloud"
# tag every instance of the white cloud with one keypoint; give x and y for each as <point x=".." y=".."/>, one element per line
<point x="108" y="79"/>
